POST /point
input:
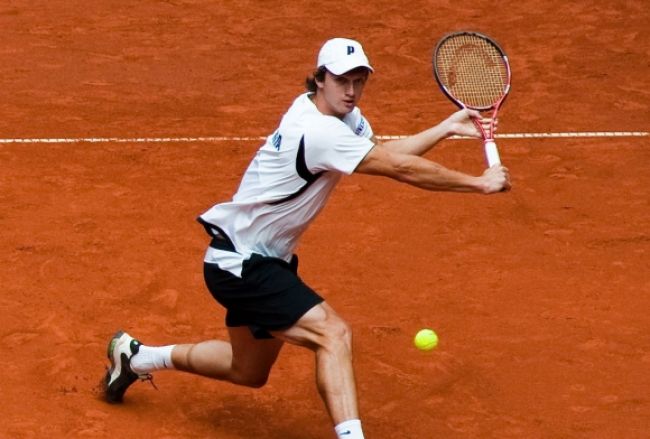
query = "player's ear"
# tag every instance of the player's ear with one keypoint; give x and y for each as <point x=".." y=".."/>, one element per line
<point x="319" y="77"/>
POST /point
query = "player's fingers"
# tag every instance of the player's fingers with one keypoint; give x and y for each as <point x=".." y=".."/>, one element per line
<point x="507" y="184"/>
<point x="485" y="120"/>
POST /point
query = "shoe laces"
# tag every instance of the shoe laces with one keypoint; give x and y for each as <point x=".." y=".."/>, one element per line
<point x="148" y="377"/>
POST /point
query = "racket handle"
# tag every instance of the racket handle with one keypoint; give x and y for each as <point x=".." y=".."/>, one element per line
<point x="492" y="153"/>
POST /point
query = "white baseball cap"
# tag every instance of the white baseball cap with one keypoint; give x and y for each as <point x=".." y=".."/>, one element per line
<point x="340" y="55"/>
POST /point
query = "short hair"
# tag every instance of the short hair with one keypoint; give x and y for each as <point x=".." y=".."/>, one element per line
<point x="318" y="75"/>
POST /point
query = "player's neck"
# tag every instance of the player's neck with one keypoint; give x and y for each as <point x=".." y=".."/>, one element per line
<point x="323" y="106"/>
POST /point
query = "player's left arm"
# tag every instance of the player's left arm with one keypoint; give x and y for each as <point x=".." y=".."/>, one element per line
<point x="425" y="174"/>
<point x="459" y="123"/>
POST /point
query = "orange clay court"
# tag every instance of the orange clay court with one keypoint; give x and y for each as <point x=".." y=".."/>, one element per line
<point x="540" y="296"/>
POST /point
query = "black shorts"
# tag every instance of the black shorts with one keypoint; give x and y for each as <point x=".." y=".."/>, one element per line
<point x="268" y="297"/>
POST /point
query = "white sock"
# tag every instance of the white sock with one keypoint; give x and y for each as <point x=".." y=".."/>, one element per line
<point x="350" y="429"/>
<point x="150" y="358"/>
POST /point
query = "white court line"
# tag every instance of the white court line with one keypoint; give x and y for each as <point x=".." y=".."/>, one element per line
<point x="579" y="134"/>
<point x="136" y="140"/>
<point x="587" y="134"/>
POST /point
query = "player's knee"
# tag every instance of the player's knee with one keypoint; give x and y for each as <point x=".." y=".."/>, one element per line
<point x="338" y="336"/>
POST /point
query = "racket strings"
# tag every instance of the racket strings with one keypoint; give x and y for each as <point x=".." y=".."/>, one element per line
<point x="472" y="69"/>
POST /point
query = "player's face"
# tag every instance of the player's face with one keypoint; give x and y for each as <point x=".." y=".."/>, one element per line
<point x="339" y="94"/>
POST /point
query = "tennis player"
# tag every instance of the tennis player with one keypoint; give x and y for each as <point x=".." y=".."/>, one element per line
<point x="250" y="267"/>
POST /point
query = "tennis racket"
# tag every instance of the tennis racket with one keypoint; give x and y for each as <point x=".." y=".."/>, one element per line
<point x="474" y="72"/>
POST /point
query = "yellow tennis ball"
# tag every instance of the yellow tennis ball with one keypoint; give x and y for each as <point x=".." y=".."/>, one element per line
<point x="426" y="340"/>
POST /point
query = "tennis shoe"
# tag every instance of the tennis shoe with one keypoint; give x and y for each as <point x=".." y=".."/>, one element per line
<point x="120" y="376"/>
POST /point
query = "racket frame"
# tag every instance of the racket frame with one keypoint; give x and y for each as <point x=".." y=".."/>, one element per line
<point x="491" y="150"/>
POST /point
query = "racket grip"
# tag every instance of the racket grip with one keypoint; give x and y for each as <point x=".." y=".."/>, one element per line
<point x="492" y="153"/>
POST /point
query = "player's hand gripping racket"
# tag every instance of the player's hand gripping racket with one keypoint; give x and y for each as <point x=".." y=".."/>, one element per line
<point x="474" y="72"/>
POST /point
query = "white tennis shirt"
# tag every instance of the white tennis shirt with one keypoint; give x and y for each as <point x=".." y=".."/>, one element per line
<point x="288" y="182"/>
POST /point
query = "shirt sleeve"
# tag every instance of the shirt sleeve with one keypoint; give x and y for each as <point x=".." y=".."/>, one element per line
<point x="331" y="145"/>
<point x="358" y="124"/>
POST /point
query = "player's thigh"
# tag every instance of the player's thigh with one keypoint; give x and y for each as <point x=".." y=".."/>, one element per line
<point x="252" y="357"/>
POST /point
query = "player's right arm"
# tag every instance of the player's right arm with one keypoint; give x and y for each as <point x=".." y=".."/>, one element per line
<point x="420" y="172"/>
<point x="459" y="123"/>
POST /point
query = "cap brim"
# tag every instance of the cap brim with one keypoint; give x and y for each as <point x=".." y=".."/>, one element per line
<point x="344" y="67"/>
